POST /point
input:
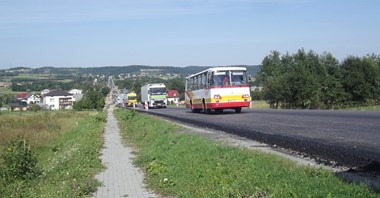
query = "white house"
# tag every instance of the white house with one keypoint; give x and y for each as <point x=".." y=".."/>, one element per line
<point x="34" y="99"/>
<point x="45" y="91"/>
<point x="75" y="91"/>
<point x="173" y="96"/>
<point x="59" y="99"/>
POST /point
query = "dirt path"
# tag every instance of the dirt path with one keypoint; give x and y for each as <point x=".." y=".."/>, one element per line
<point x="121" y="178"/>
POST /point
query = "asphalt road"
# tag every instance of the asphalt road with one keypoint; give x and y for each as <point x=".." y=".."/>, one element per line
<point x="348" y="138"/>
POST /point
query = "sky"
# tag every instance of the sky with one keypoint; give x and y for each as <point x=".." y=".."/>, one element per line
<point x="93" y="33"/>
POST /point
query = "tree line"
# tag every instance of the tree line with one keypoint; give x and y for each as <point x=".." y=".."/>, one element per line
<point x="308" y="80"/>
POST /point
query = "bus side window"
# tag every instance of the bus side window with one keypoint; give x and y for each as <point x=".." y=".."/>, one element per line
<point x="203" y="81"/>
<point x="210" y="81"/>
<point x="188" y="84"/>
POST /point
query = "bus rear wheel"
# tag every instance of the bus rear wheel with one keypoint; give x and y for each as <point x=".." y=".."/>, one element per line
<point x="238" y="110"/>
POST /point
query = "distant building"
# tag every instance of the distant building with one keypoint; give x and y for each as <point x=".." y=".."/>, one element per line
<point x="45" y="91"/>
<point x="75" y="91"/>
<point x="77" y="94"/>
<point x="18" y="106"/>
<point x="58" y="99"/>
<point x="22" y="96"/>
<point x="34" y="99"/>
<point x="5" y="84"/>
<point x="172" y="96"/>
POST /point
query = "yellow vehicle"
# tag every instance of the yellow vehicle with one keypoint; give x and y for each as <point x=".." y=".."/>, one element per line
<point x="131" y="99"/>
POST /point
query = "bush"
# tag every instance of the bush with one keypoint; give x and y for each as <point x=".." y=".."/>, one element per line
<point x="18" y="161"/>
<point x="129" y="114"/>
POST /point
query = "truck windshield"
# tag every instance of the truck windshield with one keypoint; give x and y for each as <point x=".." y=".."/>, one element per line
<point x="158" y="91"/>
<point x="132" y="97"/>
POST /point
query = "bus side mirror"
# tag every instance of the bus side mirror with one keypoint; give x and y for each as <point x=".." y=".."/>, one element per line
<point x="249" y="78"/>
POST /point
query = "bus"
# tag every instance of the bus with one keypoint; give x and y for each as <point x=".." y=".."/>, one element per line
<point x="217" y="89"/>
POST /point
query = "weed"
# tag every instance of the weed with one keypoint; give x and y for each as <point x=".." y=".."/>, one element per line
<point x="129" y="114"/>
<point x="68" y="157"/>
<point x="100" y="118"/>
<point x="19" y="163"/>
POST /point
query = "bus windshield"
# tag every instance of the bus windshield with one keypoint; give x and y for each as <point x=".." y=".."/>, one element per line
<point x="229" y="78"/>
<point x="158" y="91"/>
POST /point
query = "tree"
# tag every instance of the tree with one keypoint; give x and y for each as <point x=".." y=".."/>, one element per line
<point x="105" y="91"/>
<point x="332" y="92"/>
<point x="179" y="85"/>
<point x="91" y="100"/>
<point x="360" y="79"/>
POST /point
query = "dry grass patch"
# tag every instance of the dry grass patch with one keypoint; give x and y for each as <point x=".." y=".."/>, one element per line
<point x="39" y="128"/>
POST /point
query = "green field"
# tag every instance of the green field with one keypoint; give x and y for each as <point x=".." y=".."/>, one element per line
<point x="179" y="164"/>
<point x="260" y="104"/>
<point x="7" y="91"/>
<point x="364" y="108"/>
<point x="66" y="146"/>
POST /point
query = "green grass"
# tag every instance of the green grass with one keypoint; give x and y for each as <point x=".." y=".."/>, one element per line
<point x="184" y="165"/>
<point x="32" y="76"/>
<point x="68" y="156"/>
<point x="364" y="108"/>
<point x="7" y="91"/>
<point x="260" y="104"/>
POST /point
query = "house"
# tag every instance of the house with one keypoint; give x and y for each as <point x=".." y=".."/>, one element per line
<point x="172" y="96"/>
<point x="22" y="96"/>
<point x="5" y="84"/>
<point x="75" y="91"/>
<point x="34" y="99"/>
<point x="58" y="99"/>
<point x="18" y="106"/>
<point x="45" y="91"/>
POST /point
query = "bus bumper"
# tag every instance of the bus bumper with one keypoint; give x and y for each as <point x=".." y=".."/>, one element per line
<point x="228" y="105"/>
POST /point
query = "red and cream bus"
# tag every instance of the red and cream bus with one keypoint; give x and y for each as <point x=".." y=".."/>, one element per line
<point x="217" y="89"/>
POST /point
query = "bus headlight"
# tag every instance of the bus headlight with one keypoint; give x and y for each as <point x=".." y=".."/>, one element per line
<point x="245" y="96"/>
<point x="217" y="97"/>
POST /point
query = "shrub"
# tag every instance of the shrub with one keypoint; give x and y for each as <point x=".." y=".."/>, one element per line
<point x="101" y="118"/>
<point x="18" y="161"/>
<point x="129" y="114"/>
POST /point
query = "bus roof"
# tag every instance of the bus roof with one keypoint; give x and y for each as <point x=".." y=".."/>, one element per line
<point x="218" y="69"/>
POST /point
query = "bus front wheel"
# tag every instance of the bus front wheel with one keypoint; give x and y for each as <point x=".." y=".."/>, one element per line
<point x="238" y="110"/>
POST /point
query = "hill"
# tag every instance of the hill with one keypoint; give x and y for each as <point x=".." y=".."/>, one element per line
<point x="131" y="69"/>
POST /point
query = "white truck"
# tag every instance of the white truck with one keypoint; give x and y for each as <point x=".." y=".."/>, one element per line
<point x="154" y="95"/>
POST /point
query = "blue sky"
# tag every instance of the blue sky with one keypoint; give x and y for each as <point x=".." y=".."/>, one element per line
<point x="84" y="33"/>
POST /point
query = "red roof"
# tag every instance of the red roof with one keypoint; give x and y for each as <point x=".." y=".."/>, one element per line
<point x="22" y="95"/>
<point x="173" y="94"/>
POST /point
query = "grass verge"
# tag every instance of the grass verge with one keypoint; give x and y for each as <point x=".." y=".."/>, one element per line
<point x="364" y="108"/>
<point x="68" y="154"/>
<point x="260" y="104"/>
<point x="184" y="165"/>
